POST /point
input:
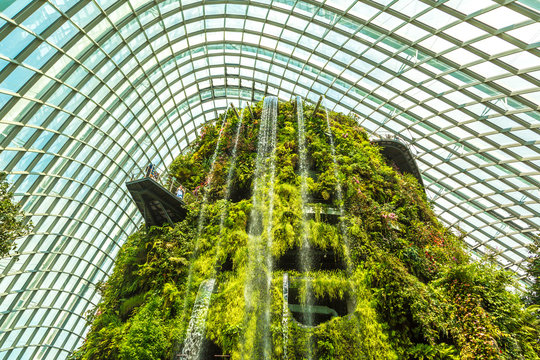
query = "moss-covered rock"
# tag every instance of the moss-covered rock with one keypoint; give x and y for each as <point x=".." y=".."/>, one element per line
<point x="410" y="290"/>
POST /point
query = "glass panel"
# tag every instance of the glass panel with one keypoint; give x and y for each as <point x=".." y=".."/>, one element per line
<point x="15" y="42"/>
<point x="41" y="19"/>
<point x="98" y="104"/>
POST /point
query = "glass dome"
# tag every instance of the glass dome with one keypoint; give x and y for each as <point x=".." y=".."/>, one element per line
<point x="93" y="90"/>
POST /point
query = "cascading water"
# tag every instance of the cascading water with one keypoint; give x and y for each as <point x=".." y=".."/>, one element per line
<point x="142" y="307"/>
<point x="259" y="272"/>
<point x="339" y="191"/>
<point x="230" y="175"/>
<point x="197" y="323"/>
<point x="192" y="345"/>
<point x="202" y="212"/>
<point x="285" y="316"/>
<point x="342" y="226"/>
<point x="306" y="256"/>
<point x="269" y="224"/>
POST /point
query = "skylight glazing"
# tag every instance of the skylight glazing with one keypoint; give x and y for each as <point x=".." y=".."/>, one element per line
<point x="93" y="90"/>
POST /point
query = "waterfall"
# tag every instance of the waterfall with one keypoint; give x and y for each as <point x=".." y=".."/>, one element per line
<point x="269" y="224"/>
<point x="194" y="347"/>
<point x="208" y="187"/>
<point x="285" y="316"/>
<point x="259" y="268"/>
<point x="339" y="191"/>
<point x="342" y="227"/>
<point x="230" y="173"/>
<point x="202" y="214"/>
<point x="197" y="323"/>
<point x="306" y="256"/>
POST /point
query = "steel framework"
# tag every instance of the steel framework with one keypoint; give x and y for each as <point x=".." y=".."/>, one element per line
<point x="93" y="90"/>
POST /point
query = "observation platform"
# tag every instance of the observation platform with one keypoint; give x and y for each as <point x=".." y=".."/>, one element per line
<point x="394" y="150"/>
<point x="157" y="205"/>
<point x="326" y="214"/>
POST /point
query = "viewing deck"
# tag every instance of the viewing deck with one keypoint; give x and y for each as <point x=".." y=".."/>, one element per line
<point x="396" y="151"/>
<point x="157" y="205"/>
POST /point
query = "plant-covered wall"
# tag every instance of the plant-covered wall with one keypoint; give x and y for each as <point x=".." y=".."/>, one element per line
<point x="327" y="253"/>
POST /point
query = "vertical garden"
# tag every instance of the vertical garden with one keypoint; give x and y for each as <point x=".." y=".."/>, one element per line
<point x="302" y="242"/>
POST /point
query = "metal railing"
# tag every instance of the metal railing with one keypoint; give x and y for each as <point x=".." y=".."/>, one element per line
<point x="159" y="174"/>
<point x="387" y="135"/>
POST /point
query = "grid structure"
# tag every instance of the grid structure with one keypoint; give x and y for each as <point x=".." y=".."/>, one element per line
<point x="93" y="90"/>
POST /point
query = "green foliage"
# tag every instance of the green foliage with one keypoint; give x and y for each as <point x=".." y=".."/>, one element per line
<point x="440" y="351"/>
<point x="12" y="224"/>
<point x="146" y="337"/>
<point x="415" y="292"/>
<point x="533" y="270"/>
<point x="130" y="304"/>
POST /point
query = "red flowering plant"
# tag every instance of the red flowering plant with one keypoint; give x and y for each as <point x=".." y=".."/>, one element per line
<point x="476" y="333"/>
<point x="474" y="327"/>
<point x="390" y="219"/>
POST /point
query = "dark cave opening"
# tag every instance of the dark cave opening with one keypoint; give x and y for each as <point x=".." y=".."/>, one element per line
<point x="227" y="265"/>
<point x="211" y="351"/>
<point x="239" y="192"/>
<point x="319" y="260"/>
<point x="319" y="310"/>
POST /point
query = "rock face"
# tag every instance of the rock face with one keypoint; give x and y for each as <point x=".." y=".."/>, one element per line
<point x="315" y="248"/>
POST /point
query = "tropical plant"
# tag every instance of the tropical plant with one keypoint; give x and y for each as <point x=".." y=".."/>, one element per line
<point x="405" y="286"/>
<point x="12" y="222"/>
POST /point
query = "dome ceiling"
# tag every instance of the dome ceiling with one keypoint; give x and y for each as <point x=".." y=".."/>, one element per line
<point x="92" y="91"/>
